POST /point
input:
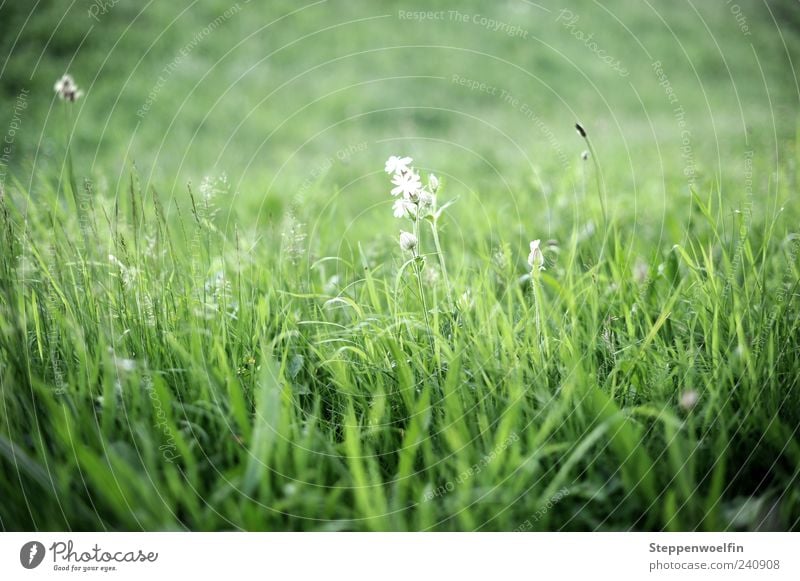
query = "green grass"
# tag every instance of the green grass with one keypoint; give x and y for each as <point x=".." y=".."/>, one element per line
<point x="161" y="395"/>
<point x="257" y="354"/>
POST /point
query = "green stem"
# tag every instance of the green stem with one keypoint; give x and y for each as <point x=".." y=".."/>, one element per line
<point x="600" y="193"/>
<point x="537" y="305"/>
<point x="70" y="170"/>
<point x="418" y="272"/>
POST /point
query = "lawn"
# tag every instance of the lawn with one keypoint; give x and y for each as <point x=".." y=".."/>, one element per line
<point x="210" y="320"/>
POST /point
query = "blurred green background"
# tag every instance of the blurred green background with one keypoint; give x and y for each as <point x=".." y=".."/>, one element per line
<point x="287" y="98"/>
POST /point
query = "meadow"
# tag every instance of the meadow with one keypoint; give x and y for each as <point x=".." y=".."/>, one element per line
<point x="228" y="301"/>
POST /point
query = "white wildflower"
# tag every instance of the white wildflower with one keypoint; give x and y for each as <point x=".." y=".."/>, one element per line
<point x="536" y="258"/>
<point x="67" y="90"/>
<point x="396" y="164"/>
<point x="407" y="184"/>
<point x="403" y="208"/>
<point x="122" y="364"/>
<point x="465" y="301"/>
<point x="332" y="286"/>
<point x="689" y="399"/>
<point x="640" y="271"/>
<point x="408" y="242"/>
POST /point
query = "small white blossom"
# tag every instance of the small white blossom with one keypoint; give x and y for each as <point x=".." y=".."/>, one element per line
<point x="465" y="301"/>
<point x="536" y="258"/>
<point x="689" y="399"/>
<point x="396" y="164"/>
<point x="640" y="272"/>
<point x="407" y="184"/>
<point x="66" y="82"/>
<point x="403" y="208"/>
<point x="67" y="90"/>
<point x="408" y="242"/>
<point x="333" y="284"/>
<point x="124" y="365"/>
<point x="433" y="183"/>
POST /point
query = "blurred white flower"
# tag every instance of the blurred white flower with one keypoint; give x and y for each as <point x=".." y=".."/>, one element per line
<point x="124" y="365"/>
<point x="66" y="82"/>
<point x="433" y="183"/>
<point x="640" y="271"/>
<point x="403" y="208"/>
<point x="333" y="284"/>
<point x="536" y="258"/>
<point x="67" y="90"/>
<point x="408" y="242"/>
<point x="406" y="183"/>
<point x="465" y="301"/>
<point x="397" y="164"/>
<point x="689" y="399"/>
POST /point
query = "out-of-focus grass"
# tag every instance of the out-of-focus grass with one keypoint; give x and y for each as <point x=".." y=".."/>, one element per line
<point x="269" y="93"/>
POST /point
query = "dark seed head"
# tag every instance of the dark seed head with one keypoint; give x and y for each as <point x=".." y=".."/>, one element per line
<point x="580" y="129"/>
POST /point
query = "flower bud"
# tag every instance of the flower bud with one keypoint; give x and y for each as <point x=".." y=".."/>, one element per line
<point x="536" y="258"/>
<point x="408" y="242"/>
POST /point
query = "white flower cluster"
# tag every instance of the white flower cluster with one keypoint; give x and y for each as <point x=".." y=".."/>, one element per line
<point x="415" y="200"/>
<point x="67" y="90"/>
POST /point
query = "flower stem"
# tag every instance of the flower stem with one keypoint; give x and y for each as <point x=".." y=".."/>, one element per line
<point x="418" y="272"/>
<point x="537" y="305"/>
<point x="598" y="180"/>
<point x="70" y="170"/>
